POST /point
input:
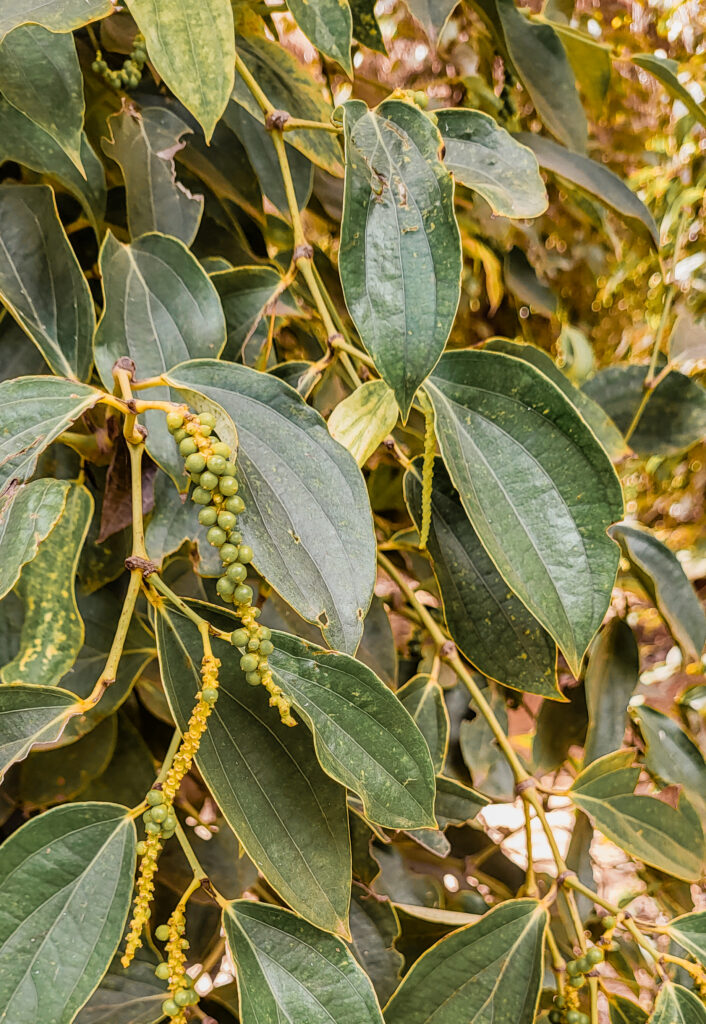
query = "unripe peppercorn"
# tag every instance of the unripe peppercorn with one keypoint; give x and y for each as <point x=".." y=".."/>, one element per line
<point x="228" y="485"/>
<point x="220" y="448"/>
<point x="225" y="587"/>
<point x="159" y="813"/>
<point x="195" y="463"/>
<point x="243" y="594"/>
<point x="206" y="419"/>
<point x="594" y="955"/>
<point x="210" y="694"/>
<point x="266" y="647"/>
<point x="161" y="932"/>
<point x="226" y="520"/>
<point x="230" y="469"/>
<point x="141" y="849"/>
<point x="253" y="644"/>
<point x="245" y="554"/>
<point x="216" y="464"/>
<point x="162" y="971"/>
<point x="208" y="516"/>
<point x="179" y="435"/>
<point x="154" y="797"/>
<point x="187" y="447"/>
<point x="253" y="678"/>
<point x="201" y="496"/>
<point x="208" y="480"/>
<point x="265" y="633"/>
<point x="228" y="553"/>
<point x="152" y="828"/>
<point x="170" y="1008"/>
<point x="248" y="663"/>
<point x="609" y="922"/>
<point x="239" y="637"/>
<point x="237" y="573"/>
<point x="216" y="537"/>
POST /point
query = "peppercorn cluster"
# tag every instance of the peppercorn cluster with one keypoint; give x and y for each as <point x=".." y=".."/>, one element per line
<point x="208" y="462"/>
<point x="564" y="1010"/>
<point x="181" y="986"/>
<point x="129" y="75"/>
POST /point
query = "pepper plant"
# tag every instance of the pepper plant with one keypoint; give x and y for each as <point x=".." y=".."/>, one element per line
<point x="351" y="513"/>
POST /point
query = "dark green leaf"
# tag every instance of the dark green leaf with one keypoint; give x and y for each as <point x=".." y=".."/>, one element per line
<point x="173" y="521"/>
<point x="399" y="238"/>
<point x="27" y="516"/>
<point x="659" y="572"/>
<point x="30" y="715"/>
<point x="677" y="1005"/>
<point x="489" y="970"/>
<point x="130" y="772"/>
<point x="52" y="631"/>
<point x="611" y="677"/>
<point x="670" y="755"/>
<point x="432" y="15"/>
<point x="40" y="75"/>
<point x="423" y="698"/>
<point x="487" y="621"/>
<point x="667" y="838"/>
<point x="484" y="157"/>
<point x="132" y="996"/>
<point x="456" y="803"/>
<point x="59" y="16"/>
<point x="689" y="931"/>
<point x="505" y="432"/>
<point x="193" y="50"/>
<point x="522" y="280"/>
<point x="487" y="765"/>
<point x="666" y="71"/>
<point x="160" y="308"/>
<point x="290" y="817"/>
<point x="365" y="25"/>
<point x="288" y="970"/>
<point x="41" y="281"/>
<point x="593" y="178"/>
<point x="374" y="927"/>
<point x="245" y="293"/>
<point x="673" y="418"/>
<point x="328" y="24"/>
<point x="558" y="727"/>
<point x="601" y="425"/>
<point x="289" y="86"/>
<point x="544" y="69"/>
<point x="625" y="1011"/>
<point x="364" y="737"/>
<point x="144" y="144"/>
<point x="307" y="512"/>
<point x="54" y="776"/>
<point x="24" y="141"/>
<point x="65" y="890"/>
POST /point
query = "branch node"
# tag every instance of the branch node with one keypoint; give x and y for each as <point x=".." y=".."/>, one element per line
<point x="276" y="120"/>
<point x="303" y="252"/>
<point x="448" y="649"/>
<point x="125" y="363"/>
<point x="208" y="889"/>
<point x="144" y="564"/>
<point x="564" y="876"/>
<point x="523" y="785"/>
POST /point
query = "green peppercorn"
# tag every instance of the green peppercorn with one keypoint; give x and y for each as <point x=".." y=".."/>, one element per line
<point x="216" y="464"/>
<point x="266" y="647"/>
<point x="226" y="520"/>
<point x="237" y="573"/>
<point x="210" y="694"/>
<point x="152" y="828"/>
<point x="235" y="537"/>
<point x="583" y="964"/>
<point x="216" y="537"/>
<point x="559" y="1002"/>
<point x="201" y="496"/>
<point x="170" y="1008"/>
<point x="230" y="469"/>
<point x="95" y="67"/>
<point x="154" y="797"/>
<point x="208" y="516"/>
<point x="244" y="554"/>
<point x="225" y="587"/>
<point x="609" y="922"/>
<point x="195" y="478"/>
<point x="572" y="967"/>
<point x="159" y="813"/>
<point x="195" y="463"/>
<point x="573" y="1017"/>
<point x="577" y="981"/>
<point x="594" y="955"/>
<point x="162" y="970"/>
<point x="161" y="932"/>
<point x="265" y="633"/>
<point x="141" y="849"/>
<point x="208" y="480"/>
<point x="253" y="644"/>
<point x="248" y="663"/>
<point x="228" y="553"/>
<point x="228" y="485"/>
<point x="232" y="504"/>
<point x="243" y="594"/>
<point x="239" y="637"/>
<point x="207" y="419"/>
<point x="220" y="448"/>
<point x="554" y="1017"/>
<point x="253" y="678"/>
<point x="188" y="447"/>
<point x="179" y="435"/>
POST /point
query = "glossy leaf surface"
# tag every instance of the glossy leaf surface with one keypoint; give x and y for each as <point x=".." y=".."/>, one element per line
<point x="611" y="677"/>
<point x="26" y="518"/>
<point x="30" y="715"/>
<point x="328" y="24"/>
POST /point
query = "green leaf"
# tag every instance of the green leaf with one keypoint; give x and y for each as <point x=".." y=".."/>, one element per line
<point x="172" y="522"/>
<point x="670" y="755"/>
<point x="591" y="61"/>
<point x="667" y="838"/>
<point x="58" y="16"/>
<point x="289" y="86"/>
<point x="505" y="431"/>
<point x="399" y="239"/>
<point x="490" y="970"/>
<point x="364" y="737"/>
<point x="288" y="970"/>
<point x="673" y="418"/>
<point x="595" y="180"/>
<point x="689" y="931"/>
<point x="423" y="698"/>
<point x="130" y="772"/>
<point x="456" y="803"/>
<point x="55" y="776"/>
<point x="160" y="308"/>
<point x="541" y="62"/>
<point x="625" y="1011"/>
<point x="245" y="294"/>
<point x="666" y="71"/>
<point x="432" y="15"/>
<point x="521" y="279"/>
<point x="41" y="281"/>
<point x="486" y="763"/>
<point x="40" y="75"/>
<point x="328" y="24"/>
<point x="601" y="424"/>
<point x="132" y="996"/>
<point x="362" y="421"/>
<point x="365" y="25"/>
<point x="659" y="572"/>
<point x="677" y="1005"/>
<point x="52" y="631"/>
<point x="143" y="144"/>
<point x="33" y="412"/>
<point x="374" y="927"/>
<point x="307" y="514"/>
<point x="611" y="677"/>
<point x="25" y="142"/>
<point x="65" y="891"/>
<point x="289" y="816"/>
<point x="30" y="715"/>
<point x="486" y="158"/>
<point x="27" y="516"/>
<point x="487" y="621"/>
<point x="193" y="50"/>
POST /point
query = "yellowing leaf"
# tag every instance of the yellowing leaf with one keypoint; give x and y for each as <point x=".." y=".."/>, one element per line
<point x="364" y="419"/>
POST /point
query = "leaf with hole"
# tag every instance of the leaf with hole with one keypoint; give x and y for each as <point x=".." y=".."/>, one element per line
<point x="399" y="238"/>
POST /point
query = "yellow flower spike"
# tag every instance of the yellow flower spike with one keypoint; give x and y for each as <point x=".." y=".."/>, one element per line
<point x="194" y="731"/>
<point x="145" y="891"/>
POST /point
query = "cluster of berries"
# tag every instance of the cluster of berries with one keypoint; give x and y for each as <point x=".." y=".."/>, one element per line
<point x="181" y="986"/>
<point x="207" y="460"/>
<point x="564" y="1010"/>
<point x="129" y="75"/>
<point x="560" y="1015"/>
<point x="159" y="818"/>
